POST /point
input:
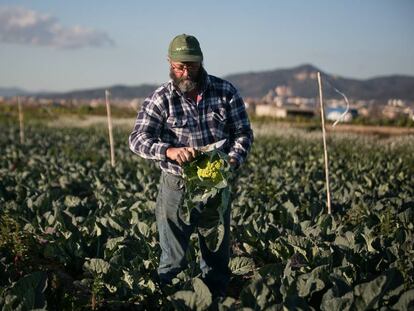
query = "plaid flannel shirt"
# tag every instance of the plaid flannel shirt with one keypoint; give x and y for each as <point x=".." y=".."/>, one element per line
<point x="169" y="119"/>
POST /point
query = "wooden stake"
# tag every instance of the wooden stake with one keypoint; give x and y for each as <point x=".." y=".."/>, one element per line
<point x="328" y="196"/>
<point x="111" y="139"/>
<point x="21" y="120"/>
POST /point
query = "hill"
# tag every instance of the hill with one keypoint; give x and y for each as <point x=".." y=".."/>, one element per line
<point x="117" y="91"/>
<point x="302" y="81"/>
<point x="12" y="91"/>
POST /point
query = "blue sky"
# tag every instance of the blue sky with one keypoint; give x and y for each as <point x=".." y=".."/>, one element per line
<point x="65" y="45"/>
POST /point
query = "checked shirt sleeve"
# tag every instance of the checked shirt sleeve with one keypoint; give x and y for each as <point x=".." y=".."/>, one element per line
<point x="240" y="127"/>
<point x="144" y="139"/>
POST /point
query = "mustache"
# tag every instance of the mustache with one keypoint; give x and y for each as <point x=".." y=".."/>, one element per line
<point x="188" y="83"/>
<point x="190" y="77"/>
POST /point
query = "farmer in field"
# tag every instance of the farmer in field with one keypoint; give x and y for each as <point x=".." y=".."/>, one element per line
<point x="190" y="111"/>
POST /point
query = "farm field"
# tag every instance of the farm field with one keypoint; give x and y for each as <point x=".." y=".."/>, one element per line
<point x="77" y="234"/>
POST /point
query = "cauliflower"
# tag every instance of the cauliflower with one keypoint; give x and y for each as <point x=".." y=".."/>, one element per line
<point x="210" y="170"/>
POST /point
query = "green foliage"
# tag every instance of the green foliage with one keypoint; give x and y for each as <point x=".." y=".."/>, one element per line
<point x="54" y="111"/>
<point x="314" y="123"/>
<point x="13" y="241"/>
<point x="85" y="233"/>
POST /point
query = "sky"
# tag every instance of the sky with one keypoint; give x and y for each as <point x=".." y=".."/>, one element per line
<point x="50" y="45"/>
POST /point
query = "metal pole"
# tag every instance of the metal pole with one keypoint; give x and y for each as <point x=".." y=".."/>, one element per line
<point x="111" y="139"/>
<point x="328" y="196"/>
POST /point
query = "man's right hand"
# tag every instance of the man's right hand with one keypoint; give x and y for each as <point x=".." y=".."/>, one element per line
<point x="181" y="154"/>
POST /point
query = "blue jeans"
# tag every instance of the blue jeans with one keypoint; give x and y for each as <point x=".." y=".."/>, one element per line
<point x="174" y="234"/>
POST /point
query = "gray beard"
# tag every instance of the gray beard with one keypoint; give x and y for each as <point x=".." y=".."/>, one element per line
<point x="186" y="85"/>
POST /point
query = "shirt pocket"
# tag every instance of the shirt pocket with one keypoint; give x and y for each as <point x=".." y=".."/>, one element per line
<point x="173" y="122"/>
<point x="220" y="115"/>
<point x="178" y="131"/>
<point x="218" y="122"/>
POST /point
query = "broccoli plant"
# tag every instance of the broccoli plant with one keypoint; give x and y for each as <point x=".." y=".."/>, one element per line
<point x="206" y="178"/>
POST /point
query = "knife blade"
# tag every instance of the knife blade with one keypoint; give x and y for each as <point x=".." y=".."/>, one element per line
<point x="211" y="147"/>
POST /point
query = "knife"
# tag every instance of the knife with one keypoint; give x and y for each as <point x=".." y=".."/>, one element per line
<point x="211" y="147"/>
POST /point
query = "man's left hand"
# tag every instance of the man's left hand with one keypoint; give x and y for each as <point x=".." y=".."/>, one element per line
<point x="234" y="164"/>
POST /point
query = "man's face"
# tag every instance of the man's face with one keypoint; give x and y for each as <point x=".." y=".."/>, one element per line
<point x="186" y="75"/>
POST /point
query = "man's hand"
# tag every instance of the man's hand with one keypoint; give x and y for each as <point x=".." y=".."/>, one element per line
<point x="234" y="164"/>
<point x="181" y="154"/>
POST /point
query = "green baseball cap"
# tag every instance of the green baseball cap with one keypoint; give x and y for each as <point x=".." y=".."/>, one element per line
<point x="185" y="48"/>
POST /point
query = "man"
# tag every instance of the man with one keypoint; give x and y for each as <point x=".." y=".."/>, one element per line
<point x="192" y="110"/>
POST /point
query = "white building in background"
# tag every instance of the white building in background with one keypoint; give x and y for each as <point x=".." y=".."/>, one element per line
<point x="283" y="91"/>
<point x="395" y="102"/>
<point x="301" y="101"/>
<point x="266" y="110"/>
<point x="397" y="108"/>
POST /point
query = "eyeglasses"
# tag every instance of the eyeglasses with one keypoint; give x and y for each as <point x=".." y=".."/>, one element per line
<point x="189" y="67"/>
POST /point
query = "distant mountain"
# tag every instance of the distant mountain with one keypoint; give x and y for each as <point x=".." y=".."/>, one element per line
<point x="302" y="81"/>
<point x="117" y="91"/>
<point x="12" y="91"/>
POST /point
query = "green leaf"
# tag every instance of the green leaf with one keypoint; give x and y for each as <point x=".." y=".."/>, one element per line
<point x="97" y="266"/>
<point x="369" y="237"/>
<point x="184" y="300"/>
<point x="72" y="201"/>
<point x="114" y="242"/>
<point x="199" y="300"/>
<point x="347" y="241"/>
<point x="299" y="244"/>
<point x="274" y="269"/>
<point x="114" y="224"/>
<point x="128" y="279"/>
<point x="144" y="229"/>
<point x="292" y="211"/>
<point x="30" y="290"/>
<point x="383" y="189"/>
<point x="257" y="295"/>
<point x="311" y="282"/>
<point x="225" y="202"/>
<point x="330" y="302"/>
<point x="111" y="288"/>
<point x="241" y="265"/>
<point x="203" y="294"/>
<point x="229" y="303"/>
<point x="368" y="295"/>
<point x="405" y="302"/>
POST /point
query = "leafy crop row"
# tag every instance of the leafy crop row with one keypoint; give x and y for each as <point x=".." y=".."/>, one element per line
<point x="78" y="234"/>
